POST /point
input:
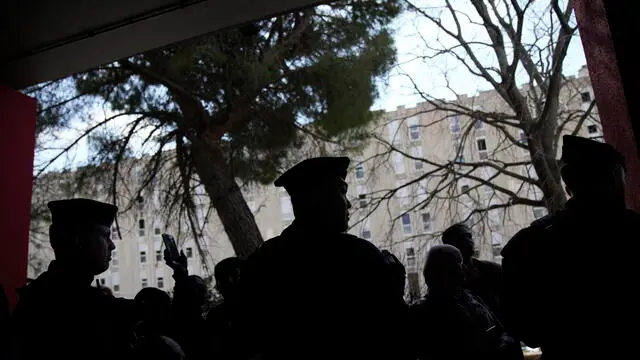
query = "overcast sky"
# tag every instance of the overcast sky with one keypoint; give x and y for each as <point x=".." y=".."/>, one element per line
<point x="411" y="32"/>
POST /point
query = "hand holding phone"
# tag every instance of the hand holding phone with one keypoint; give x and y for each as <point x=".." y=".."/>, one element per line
<point x="171" y="245"/>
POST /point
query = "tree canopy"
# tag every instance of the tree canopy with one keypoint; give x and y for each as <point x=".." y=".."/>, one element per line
<point x="231" y="105"/>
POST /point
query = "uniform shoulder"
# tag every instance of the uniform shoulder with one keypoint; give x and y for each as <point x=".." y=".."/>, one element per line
<point x="525" y="238"/>
<point x="488" y="266"/>
<point x="352" y="240"/>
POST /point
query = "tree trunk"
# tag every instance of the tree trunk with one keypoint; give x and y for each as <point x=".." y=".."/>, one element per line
<point x="227" y="199"/>
<point x="547" y="168"/>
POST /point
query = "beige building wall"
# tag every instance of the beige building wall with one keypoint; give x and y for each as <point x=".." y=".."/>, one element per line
<point x="391" y="220"/>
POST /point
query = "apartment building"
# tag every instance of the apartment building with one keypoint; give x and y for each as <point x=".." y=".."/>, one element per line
<point x="395" y="186"/>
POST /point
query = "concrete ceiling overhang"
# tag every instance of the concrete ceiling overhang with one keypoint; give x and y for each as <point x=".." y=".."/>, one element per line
<point x="43" y="40"/>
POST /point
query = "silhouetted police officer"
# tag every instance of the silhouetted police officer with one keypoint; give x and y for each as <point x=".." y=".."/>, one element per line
<point x="60" y="315"/>
<point x="316" y="292"/>
<point x="483" y="278"/>
<point x="564" y="288"/>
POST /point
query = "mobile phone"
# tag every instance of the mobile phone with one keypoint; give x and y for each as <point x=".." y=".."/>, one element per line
<point x="171" y="245"/>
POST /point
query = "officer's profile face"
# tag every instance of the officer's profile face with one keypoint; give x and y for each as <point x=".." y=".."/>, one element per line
<point x="97" y="247"/>
<point x="340" y="204"/>
<point x="326" y="204"/>
<point x="462" y="240"/>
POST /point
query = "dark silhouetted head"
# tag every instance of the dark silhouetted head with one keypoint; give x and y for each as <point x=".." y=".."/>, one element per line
<point x="444" y="270"/>
<point x="318" y="193"/>
<point x="460" y="237"/>
<point x="593" y="170"/>
<point x="227" y="275"/>
<point x="80" y="234"/>
<point x="197" y="290"/>
<point x="155" y="304"/>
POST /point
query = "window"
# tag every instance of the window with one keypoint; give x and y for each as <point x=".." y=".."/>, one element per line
<point x="411" y="257"/>
<point x="158" y="255"/>
<point x="402" y="192"/>
<point x="114" y="233"/>
<point x="496" y="243"/>
<point x="426" y="222"/>
<point x="363" y="200"/>
<point x="406" y="224"/>
<point x="160" y="283"/>
<point x="157" y="231"/>
<point x="592" y="129"/>
<point x="482" y="148"/>
<point x="478" y="124"/>
<point x="497" y="248"/>
<point x="285" y="207"/>
<point x="482" y="144"/>
<point x="115" y="282"/>
<point x="417" y="153"/>
<point x="189" y="252"/>
<point x="144" y="282"/>
<point x="366" y="230"/>
<point x="398" y="163"/>
<point x="103" y="281"/>
<point x="585" y="96"/>
<point x="141" y="227"/>
<point x="143" y="257"/>
<point x="414" y="128"/>
<point x="454" y="124"/>
<point x="539" y="212"/>
<point x="114" y="259"/>
<point x="362" y="196"/>
<point x="464" y="189"/>
<point x="140" y="202"/>
<point x="360" y="171"/>
<point x="392" y="131"/>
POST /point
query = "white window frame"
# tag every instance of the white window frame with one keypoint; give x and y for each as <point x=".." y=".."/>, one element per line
<point x="362" y="195"/>
<point x="366" y="228"/>
<point x="483" y="154"/>
<point x="360" y="170"/>
<point x="418" y="152"/>
<point x="115" y="281"/>
<point x="398" y="163"/>
<point x="454" y="124"/>
<point x="412" y="259"/>
<point x="141" y="227"/>
<point x="393" y="128"/>
<point x="427" y="226"/>
<point x="114" y="258"/>
<point x="413" y="125"/>
<point x="402" y="192"/>
<point x="407" y="229"/>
